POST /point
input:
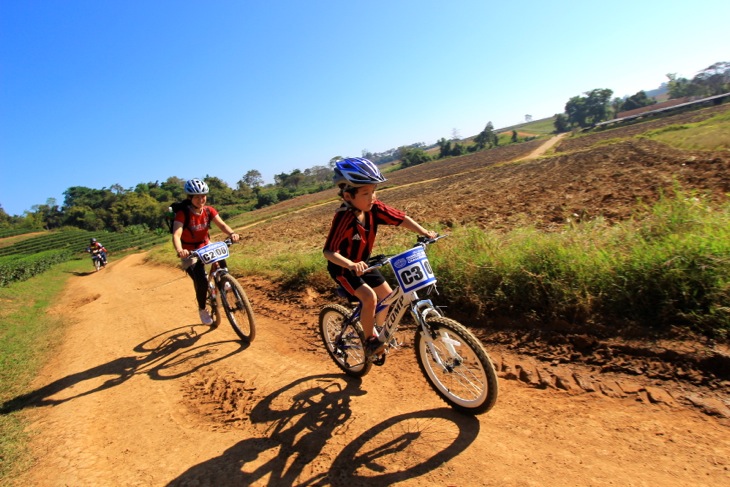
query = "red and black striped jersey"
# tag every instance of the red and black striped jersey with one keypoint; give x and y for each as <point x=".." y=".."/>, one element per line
<point x="354" y="240"/>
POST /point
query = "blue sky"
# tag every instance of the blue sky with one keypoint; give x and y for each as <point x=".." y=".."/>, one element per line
<point x="97" y="93"/>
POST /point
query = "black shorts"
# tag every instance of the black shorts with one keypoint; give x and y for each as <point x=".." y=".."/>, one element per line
<point x="350" y="281"/>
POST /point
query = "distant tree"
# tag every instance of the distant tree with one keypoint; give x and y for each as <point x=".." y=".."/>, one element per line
<point x="4" y="218"/>
<point x="444" y="147"/>
<point x="458" y="150"/>
<point x="455" y="135"/>
<point x="515" y="138"/>
<point x="50" y="214"/>
<point x="528" y="118"/>
<point x="413" y="156"/>
<point x="597" y="104"/>
<point x="486" y="138"/>
<point x="252" y="179"/>
<point x="220" y="193"/>
<point x="290" y="181"/>
<point x="576" y="111"/>
<point x="638" y="100"/>
<point x="561" y="123"/>
<point x="333" y="161"/>
<point x="135" y="209"/>
<point x="715" y="78"/>
<point x="590" y="109"/>
<point x="679" y="87"/>
<point x="117" y="189"/>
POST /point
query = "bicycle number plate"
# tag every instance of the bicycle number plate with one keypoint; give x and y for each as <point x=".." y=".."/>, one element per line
<point x="412" y="270"/>
<point x="213" y="252"/>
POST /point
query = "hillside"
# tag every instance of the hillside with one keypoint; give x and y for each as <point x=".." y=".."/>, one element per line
<point x="583" y="175"/>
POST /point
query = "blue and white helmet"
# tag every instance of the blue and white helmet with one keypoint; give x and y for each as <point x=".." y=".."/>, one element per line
<point x="196" y="186"/>
<point x="357" y="171"/>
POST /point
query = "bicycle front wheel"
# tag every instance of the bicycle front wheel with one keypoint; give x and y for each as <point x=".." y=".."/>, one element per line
<point x="237" y="307"/>
<point x="344" y="342"/>
<point x="456" y="366"/>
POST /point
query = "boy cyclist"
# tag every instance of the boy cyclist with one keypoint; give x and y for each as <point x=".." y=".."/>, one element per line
<point x="190" y="232"/>
<point x="352" y="235"/>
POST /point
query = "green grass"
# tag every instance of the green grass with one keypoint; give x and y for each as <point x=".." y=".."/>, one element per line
<point x="711" y="134"/>
<point x="28" y="335"/>
<point x="543" y="126"/>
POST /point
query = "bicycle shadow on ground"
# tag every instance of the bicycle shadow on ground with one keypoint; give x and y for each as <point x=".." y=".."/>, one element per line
<point x="383" y="454"/>
<point x="301" y="417"/>
<point x="159" y="355"/>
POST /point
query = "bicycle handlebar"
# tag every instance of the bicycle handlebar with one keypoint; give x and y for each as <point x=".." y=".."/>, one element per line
<point x="382" y="259"/>
<point x="193" y="257"/>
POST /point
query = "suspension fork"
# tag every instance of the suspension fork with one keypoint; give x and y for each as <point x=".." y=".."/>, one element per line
<point x="420" y="311"/>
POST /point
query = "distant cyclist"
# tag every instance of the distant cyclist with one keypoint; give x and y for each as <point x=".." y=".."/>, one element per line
<point x="352" y="235"/>
<point x="96" y="247"/>
<point x="190" y="232"/>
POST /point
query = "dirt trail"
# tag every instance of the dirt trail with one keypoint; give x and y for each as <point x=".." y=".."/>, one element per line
<point x="140" y="394"/>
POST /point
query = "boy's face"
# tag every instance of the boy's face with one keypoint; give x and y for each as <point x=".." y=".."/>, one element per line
<point x="364" y="198"/>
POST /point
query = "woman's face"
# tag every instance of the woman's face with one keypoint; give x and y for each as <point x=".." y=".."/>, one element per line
<point x="198" y="200"/>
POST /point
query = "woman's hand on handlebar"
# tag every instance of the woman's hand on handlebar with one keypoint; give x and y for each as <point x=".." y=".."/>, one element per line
<point x="234" y="237"/>
<point x="183" y="253"/>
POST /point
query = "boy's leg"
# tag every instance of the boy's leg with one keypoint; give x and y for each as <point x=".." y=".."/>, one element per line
<point x="368" y="298"/>
<point x="382" y="291"/>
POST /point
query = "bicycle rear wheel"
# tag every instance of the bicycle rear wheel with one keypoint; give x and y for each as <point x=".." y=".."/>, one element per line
<point x="344" y="345"/>
<point x="457" y="367"/>
<point x="237" y="307"/>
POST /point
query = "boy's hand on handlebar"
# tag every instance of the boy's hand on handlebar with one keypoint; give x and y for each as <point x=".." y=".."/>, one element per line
<point x="183" y="253"/>
<point x="358" y="267"/>
<point x="235" y="237"/>
<point x="431" y="234"/>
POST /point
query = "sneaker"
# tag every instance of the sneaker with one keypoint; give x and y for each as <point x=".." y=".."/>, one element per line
<point x="373" y="346"/>
<point x="205" y="317"/>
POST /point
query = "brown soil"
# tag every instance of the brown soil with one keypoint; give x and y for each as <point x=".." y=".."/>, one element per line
<point x="140" y="394"/>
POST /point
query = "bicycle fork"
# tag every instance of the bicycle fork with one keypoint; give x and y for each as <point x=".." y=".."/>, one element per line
<point x="421" y="311"/>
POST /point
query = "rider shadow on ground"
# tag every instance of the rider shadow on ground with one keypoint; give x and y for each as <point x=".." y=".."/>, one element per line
<point x="300" y="418"/>
<point x="173" y="349"/>
<point x="82" y="274"/>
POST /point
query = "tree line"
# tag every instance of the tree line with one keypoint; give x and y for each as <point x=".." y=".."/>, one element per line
<point x="144" y="207"/>
<point x="598" y="106"/>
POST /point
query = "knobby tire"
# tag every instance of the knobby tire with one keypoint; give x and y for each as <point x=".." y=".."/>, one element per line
<point x="470" y="383"/>
<point x="238" y="308"/>
<point x="346" y="350"/>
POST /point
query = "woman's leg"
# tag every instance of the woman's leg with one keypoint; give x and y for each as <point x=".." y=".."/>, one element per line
<point x="200" y="281"/>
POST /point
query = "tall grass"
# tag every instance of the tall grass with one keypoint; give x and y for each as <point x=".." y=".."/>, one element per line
<point x="669" y="266"/>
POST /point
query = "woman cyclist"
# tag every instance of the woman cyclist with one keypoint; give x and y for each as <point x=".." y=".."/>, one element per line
<point x="190" y="232"/>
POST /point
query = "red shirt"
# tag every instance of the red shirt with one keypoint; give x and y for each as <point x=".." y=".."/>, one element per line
<point x="196" y="235"/>
<point x="354" y="240"/>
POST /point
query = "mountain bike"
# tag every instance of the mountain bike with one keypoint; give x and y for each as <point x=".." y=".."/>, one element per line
<point x="225" y="291"/>
<point x="451" y="358"/>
